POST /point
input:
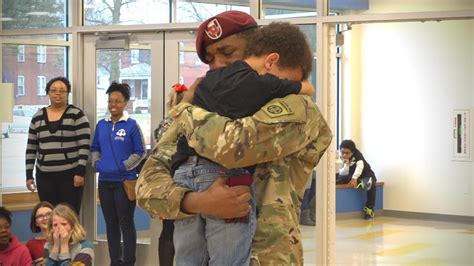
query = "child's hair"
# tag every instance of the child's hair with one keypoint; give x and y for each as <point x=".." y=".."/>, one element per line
<point x="247" y="34"/>
<point x="123" y="88"/>
<point x="34" y="228"/>
<point x="65" y="212"/>
<point x="62" y="79"/>
<point x="285" y="39"/>
<point x="6" y="214"/>
<point x="348" y="144"/>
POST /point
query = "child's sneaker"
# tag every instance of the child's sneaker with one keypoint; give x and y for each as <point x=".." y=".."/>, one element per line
<point x="368" y="213"/>
<point x="364" y="183"/>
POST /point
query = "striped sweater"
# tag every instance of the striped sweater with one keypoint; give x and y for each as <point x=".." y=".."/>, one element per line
<point x="58" y="150"/>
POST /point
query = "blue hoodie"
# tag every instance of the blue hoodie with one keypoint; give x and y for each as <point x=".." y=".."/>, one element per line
<point x="117" y="149"/>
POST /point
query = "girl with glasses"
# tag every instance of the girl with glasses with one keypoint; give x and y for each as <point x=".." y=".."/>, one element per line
<point x="39" y="224"/>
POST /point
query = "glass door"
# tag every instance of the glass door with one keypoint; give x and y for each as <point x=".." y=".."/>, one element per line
<point x="150" y="64"/>
<point x="135" y="59"/>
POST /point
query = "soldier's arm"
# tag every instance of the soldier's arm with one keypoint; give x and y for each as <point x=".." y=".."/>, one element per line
<point x="159" y="195"/>
<point x="283" y="126"/>
<point x="308" y="157"/>
<point x="156" y="191"/>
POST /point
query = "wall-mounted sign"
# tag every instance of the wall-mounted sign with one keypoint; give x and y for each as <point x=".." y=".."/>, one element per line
<point x="461" y="135"/>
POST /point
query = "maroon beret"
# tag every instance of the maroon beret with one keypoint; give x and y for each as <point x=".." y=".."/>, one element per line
<point x="220" y="26"/>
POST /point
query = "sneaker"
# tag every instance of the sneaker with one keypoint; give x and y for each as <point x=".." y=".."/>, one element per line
<point x="368" y="213"/>
<point x="364" y="183"/>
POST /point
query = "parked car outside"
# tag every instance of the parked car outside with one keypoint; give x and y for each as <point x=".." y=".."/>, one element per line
<point x="5" y="129"/>
<point x="21" y="120"/>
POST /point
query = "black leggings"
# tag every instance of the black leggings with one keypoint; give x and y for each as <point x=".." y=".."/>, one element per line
<point x="371" y="195"/>
<point x="58" y="187"/>
<point x="165" y="245"/>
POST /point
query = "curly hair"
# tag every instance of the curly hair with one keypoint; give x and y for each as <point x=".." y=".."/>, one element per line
<point x="6" y="214"/>
<point x="123" y="88"/>
<point x="65" y="212"/>
<point x="62" y="79"/>
<point x="44" y="204"/>
<point x="247" y="34"/>
<point x="285" y="39"/>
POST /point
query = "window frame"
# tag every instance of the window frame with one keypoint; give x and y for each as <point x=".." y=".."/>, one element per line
<point x="41" y="54"/>
<point x="144" y="89"/>
<point x="22" y="85"/>
<point x="41" y="85"/>
<point x="134" y="56"/>
<point x="20" y="57"/>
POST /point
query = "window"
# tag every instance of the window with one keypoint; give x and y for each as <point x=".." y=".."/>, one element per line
<point x="197" y="61"/>
<point x="20" y="85"/>
<point x="41" y="82"/>
<point x="41" y="50"/>
<point x="131" y="83"/>
<point x="134" y="56"/>
<point x="34" y="14"/>
<point x="144" y="88"/>
<point x="21" y="53"/>
<point x="181" y="57"/>
<point x="25" y="79"/>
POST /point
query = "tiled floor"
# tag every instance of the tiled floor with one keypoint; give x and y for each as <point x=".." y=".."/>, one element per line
<point x="395" y="241"/>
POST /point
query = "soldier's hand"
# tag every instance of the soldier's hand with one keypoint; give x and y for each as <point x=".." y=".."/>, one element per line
<point x="219" y="200"/>
<point x="189" y="94"/>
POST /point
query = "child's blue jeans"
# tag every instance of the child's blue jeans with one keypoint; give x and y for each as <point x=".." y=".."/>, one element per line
<point x="207" y="240"/>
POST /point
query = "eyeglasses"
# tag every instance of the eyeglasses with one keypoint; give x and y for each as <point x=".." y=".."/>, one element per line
<point x="346" y="152"/>
<point x="43" y="216"/>
<point x="115" y="101"/>
<point x="54" y="91"/>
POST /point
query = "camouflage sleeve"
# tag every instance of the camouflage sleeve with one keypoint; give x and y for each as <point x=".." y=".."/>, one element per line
<point x="283" y="126"/>
<point x="308" y="157"/>
<point x="156" y="191"/>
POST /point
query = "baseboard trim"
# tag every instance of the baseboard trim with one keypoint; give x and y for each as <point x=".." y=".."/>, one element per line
<point x="355" y="215"/>
<point x="430" y="216"/>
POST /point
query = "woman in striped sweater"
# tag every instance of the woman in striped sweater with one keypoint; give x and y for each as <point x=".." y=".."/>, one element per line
<point x="58" y="144"/>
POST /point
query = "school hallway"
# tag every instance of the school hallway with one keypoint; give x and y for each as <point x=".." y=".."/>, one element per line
<point x="397" y="241"/>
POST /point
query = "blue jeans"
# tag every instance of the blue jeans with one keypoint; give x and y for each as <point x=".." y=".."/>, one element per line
<point x="118" y="213"/>
<point x="208" y="240"/>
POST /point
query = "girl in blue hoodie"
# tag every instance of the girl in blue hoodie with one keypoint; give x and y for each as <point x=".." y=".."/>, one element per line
<point x="117" y="149"/>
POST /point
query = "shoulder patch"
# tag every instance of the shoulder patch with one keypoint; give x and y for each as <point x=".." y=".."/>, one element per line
<point x="277" y="109"/>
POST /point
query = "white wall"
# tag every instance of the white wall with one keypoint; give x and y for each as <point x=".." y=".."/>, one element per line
<point x="402" y="82"/>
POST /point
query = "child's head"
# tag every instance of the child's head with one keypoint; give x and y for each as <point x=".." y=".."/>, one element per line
<point x="5" y="227"/>
<point x="64" y="217"/>
<point x="40" y="216"/>
<point x="347" y="149"/>
<point x="284" y="48"/>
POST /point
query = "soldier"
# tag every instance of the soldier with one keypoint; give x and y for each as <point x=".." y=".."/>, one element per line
<point x="286" y="139"/>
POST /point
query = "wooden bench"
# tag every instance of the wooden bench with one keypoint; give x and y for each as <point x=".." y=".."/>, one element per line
<point x="20" y="201"/>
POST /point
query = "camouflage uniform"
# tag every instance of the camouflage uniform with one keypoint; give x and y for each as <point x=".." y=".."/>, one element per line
<point x="286" y="139"/>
